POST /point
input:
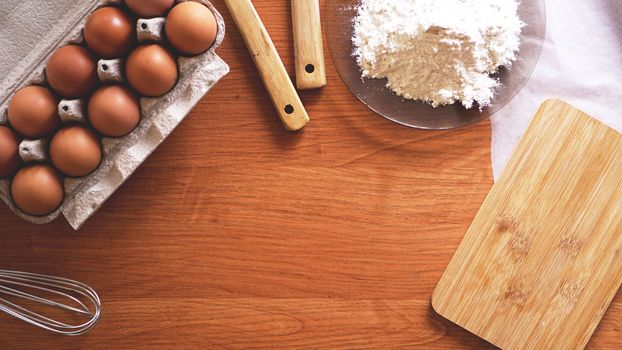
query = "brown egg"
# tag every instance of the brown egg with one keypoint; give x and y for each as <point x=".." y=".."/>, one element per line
<point x="72" y="71"/>
<point x="33" y="112"/>
<point x="149" y="8"/>
<point x="191" y="28"/>
<point x="109" y="32"/>
<point x="9" y="152"/>
<point x="151" y="70"/>
<point x="37" y="190"/>
<point x="76" y="151"/>
<point x="114" y="110"/>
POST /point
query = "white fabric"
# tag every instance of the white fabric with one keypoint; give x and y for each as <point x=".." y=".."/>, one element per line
<point x="581" y="63"/>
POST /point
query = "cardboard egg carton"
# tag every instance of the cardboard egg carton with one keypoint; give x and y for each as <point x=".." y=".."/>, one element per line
<point x="35" y="29"/>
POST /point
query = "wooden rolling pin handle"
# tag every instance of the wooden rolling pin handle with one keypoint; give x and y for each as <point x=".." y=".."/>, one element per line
<point x="308" y="44"/>
<point x="271" y="69"/>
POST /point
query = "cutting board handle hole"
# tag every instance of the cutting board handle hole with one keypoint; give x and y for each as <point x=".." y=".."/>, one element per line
<point x="289" y="109"/>
<point x="309" y="68"/>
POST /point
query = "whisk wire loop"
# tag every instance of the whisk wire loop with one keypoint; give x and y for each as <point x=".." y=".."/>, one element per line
<point x="72" y="291"/>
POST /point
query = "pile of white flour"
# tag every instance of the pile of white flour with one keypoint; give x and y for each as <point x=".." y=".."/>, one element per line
<point x="438" y="51"/>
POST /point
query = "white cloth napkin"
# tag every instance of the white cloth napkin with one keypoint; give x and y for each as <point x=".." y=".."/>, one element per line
<point x="581" y="63"/>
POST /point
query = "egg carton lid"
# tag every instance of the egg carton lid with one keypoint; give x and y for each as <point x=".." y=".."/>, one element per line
<point x="31" y="31"/>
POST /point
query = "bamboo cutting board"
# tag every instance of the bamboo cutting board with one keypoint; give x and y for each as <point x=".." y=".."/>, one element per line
<point x="541" y="262"/>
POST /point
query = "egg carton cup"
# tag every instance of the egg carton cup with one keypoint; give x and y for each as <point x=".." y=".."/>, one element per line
<point x="122" y="156"/>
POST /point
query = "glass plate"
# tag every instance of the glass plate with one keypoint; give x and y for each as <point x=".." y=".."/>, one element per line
<point x="339" y="23"/>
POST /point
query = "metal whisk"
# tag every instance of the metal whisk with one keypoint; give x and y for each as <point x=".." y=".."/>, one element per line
<point x="18" y="285"/>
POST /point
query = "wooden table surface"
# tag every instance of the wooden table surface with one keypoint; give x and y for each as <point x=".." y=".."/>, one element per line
<point x="237" y="234"/>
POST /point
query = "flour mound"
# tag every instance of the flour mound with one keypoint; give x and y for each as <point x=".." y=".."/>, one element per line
<point x="438" y="51"/>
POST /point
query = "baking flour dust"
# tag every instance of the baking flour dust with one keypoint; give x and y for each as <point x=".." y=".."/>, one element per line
<point x="438" y="51"/>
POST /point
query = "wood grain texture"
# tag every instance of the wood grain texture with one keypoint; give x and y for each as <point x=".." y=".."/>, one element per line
<point x="541" y="261"/>
<point x="236" y="234"/>
<point x="269" y="64"/>
<point x="308" y="45"/>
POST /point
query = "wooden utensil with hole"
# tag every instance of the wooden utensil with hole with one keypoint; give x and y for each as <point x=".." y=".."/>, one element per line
<point x="308" y="44"/>
<point x="543" y="258"/>
<point x="271" y="69"/>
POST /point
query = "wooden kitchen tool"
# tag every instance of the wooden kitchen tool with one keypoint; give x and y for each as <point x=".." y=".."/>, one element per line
<point x="308" y="44"/>
<point x="271" y="68"/>
<point x="543" y="258"/>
